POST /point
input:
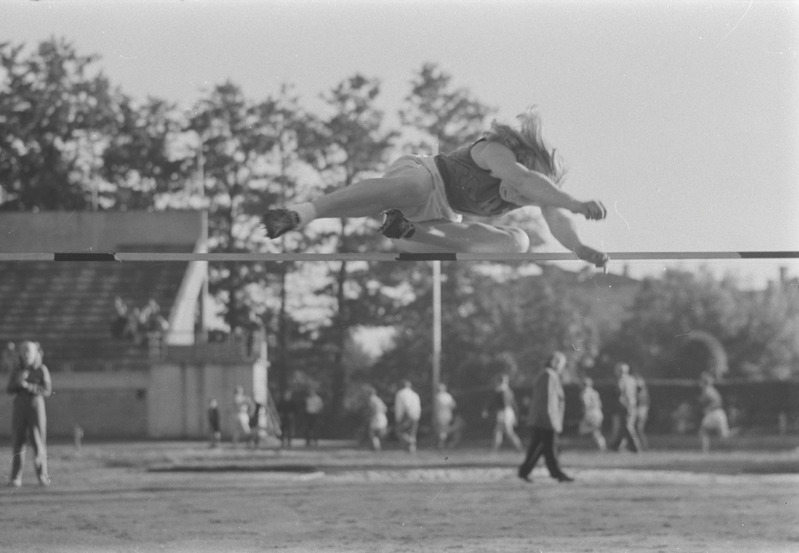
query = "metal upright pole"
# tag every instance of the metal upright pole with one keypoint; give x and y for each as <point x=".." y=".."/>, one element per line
<point x="436" y="333"/>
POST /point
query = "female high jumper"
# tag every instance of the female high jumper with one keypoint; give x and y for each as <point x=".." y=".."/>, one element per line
<point x="423" y="198"/>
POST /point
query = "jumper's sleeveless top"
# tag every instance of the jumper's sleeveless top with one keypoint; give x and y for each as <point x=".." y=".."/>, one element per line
<point x="471" y="189"/>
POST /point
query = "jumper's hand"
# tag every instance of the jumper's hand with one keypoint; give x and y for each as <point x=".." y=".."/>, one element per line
<point x="592" y="210"/>
<point x="596" y="258"/>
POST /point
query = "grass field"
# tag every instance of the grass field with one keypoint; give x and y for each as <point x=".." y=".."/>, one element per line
<point x="183" y="496"/>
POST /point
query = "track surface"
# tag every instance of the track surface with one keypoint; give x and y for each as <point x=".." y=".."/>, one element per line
<point x="183" y="496"/>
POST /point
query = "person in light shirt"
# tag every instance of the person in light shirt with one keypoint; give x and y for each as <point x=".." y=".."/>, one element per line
<point x="591" y="422"/>
<point x="445" y="409"/>
<point x="624" y="430"/>
<point x="714" y="419"/>
<point x="407" y="413"/>
<point x="378" y="421"/>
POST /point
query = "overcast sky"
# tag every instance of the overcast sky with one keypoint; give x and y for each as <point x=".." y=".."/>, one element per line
<point x="683" y="117"/>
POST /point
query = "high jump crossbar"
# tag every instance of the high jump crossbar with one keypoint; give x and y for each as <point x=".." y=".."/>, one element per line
<point x="385" y="256"/>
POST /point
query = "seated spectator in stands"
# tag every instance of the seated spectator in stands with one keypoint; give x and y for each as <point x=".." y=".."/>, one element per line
<point x="133" y="328"/>
<point x="153" y="323"/>
<point x="152" y="318"/>
<point x="119" y="322"/>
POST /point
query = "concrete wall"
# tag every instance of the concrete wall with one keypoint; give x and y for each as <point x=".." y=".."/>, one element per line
<point x="178" y="398"/>
<point x="105" y="405"/>
<point x="169" y="401"/>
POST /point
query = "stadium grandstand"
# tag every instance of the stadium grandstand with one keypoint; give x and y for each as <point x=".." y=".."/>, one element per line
<point x="112" y="386"/>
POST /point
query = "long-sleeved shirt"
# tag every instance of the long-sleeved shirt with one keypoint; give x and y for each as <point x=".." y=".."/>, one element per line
<point x="548" y="402"/>
<point x="407" y="405"/>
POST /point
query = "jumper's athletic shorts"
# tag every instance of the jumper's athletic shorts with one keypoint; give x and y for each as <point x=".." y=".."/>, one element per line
<point x="436" y="208"/>
<point x="716" y="421"/>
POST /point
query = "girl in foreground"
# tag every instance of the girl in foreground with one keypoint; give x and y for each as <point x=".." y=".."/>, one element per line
<point x="423" y="198"/>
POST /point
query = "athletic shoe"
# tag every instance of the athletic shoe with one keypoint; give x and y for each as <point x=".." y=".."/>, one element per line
<point x="279" y="221"/>
<point x="562" y="478"/>
<point x="523" y="476"/>
<point x="395" y="225"/>
<point x="15" y="483"/>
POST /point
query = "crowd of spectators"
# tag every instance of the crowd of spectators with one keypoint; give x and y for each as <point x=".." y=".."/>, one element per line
<point x="139" y="325"/>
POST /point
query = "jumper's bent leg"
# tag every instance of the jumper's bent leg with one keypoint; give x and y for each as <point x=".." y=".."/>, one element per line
<point x="371" y="196"/>
<point x="467" y="237"/>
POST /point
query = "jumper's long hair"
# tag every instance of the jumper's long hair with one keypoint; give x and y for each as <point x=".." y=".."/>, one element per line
<point x="528" y="144"/>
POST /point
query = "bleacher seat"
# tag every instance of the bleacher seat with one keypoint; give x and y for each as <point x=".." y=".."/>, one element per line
<point x="68" y="308"/>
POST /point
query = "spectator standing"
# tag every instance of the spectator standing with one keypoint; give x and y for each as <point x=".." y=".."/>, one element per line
<point x="444" y="412"/>
<point x="591" y="422"/>
<point x="641" y="410"/>
<point x="214" y="422"/>
<point x="681" y="418"/>
<point x="255" y="425"/>
<point x="29" y="383"/>
<point x="287" y="410"/>
<point x="242" y="408"/>
<point x="503" y="408"/>
<point x="714" y="419"/>
<point x="313" y="410"/>
<point x="378" y="421"/>
<point x="407" y="413"/>
<point x="624" y="410"/>
<point x="547" y="409"/>
<point x="456" y="430"/>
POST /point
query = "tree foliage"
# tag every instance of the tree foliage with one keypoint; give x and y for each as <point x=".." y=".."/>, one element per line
<point x="56" y="112"/>
<point x="447" y="117"/>
<point x="142" y="162"/>
<point x="676" y="322"/>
